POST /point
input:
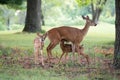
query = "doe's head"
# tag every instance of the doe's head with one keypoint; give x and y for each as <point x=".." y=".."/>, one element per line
<point x="89" y="21"/>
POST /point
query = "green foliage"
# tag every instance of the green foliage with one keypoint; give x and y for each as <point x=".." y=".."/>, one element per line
<point x="69" y="11"/>
<point x="83" y="2"/>
<point x="56" y="13"/>
<point x="2" y="27"/>
<point x="42" y="31"/>
<point x="97" y="3"/>
<point x="17" y="2"/>
<point x="16" y="27"/>
<point x="109" y="10"/>
<point x="110" y="20"/>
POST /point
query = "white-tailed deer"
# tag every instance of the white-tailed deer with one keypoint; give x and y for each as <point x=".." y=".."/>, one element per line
<point x="66" y="33"/>
<point x="66" y="48"/>
<point x="38" y="47"/>
<point x="104" y="51"/>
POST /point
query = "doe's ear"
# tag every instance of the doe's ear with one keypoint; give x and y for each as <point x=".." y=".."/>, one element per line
<point x="87" y="17"/>
<point x="83" y="17"/>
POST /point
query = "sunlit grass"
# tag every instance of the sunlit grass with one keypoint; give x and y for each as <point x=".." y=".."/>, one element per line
<point x="17" y="40"/>
<point x="10" y="31"/>
<point x="100" y="35"/>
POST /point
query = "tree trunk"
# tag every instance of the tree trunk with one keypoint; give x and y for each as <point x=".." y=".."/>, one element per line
<point x="33" y="16"/>
<point x="42" y="19"/>
<point x="96" y="10"/>
<point x="96" y="15"/>
<point x="8" y="23"/>
<point x="117" y="36"/>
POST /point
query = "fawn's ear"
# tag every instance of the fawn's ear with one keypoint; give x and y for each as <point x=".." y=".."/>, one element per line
<point x="38" y="34"/>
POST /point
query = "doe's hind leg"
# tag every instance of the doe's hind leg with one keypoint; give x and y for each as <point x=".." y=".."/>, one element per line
<point x="50" y="47"/>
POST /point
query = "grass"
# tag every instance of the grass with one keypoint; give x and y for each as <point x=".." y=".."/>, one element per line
<point x="101" y="35"/>
<point x="17" y="40"/>
<point x="31" y="74"/>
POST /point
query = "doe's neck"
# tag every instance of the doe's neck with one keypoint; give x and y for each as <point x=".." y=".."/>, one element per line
<point x="85" y="29"/>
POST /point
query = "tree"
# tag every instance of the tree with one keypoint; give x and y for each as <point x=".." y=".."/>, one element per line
<point x="96" y="7"/>
<point x="33" y="16"/>
<point x="12" y="3"/>
<point x="7" y="13"/>
<point x="117" y="36"/>
<point x="17" y="2"/>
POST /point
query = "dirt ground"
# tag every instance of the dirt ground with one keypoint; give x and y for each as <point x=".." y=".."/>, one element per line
<point x="74" y="67"/>
<point x="70" y="67"/>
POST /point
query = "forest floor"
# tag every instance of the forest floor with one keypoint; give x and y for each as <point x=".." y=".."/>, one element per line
<point x="98" y="68"/>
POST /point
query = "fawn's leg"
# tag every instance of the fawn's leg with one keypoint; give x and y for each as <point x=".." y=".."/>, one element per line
<point x="66" y="56"/>
<point x="61" y="57"/>
<point x="41" y="52"/>
<point x="86" y="56"/>
<point x="73" y="51"/>
<point x="36" y="54"/>
<point x="81" y="52"/>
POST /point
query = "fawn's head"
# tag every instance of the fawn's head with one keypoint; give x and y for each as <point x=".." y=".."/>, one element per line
<point x="41" y="39"/>
<point x="40" y="36"/>
<point x="89" y="21"/>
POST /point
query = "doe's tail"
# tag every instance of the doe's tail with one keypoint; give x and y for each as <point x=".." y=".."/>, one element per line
<point x="45" y="35"/>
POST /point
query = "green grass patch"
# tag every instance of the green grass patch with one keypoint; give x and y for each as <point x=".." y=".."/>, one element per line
<point x="31" y="74"/>
<point x="101" y="35"/>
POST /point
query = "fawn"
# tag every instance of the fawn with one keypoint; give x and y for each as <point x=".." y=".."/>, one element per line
<point x="38" y="48"/>
<point x="104" y="51"/>
<point x="66" y="48"/>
